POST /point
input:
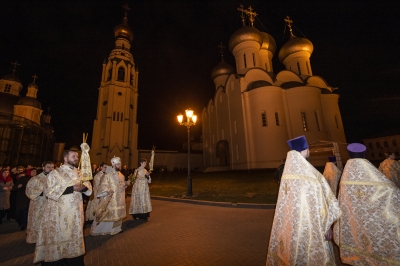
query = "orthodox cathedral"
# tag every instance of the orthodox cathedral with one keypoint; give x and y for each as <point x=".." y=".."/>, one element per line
<point x="26" y="136"/>
<point x="115" y="129"/>
<point x="255" y="111"/>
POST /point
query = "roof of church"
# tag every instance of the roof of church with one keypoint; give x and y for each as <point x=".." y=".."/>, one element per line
<point x="29" y="101"/>
<point x="12" y="77"/>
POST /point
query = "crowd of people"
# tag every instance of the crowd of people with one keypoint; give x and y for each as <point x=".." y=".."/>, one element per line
<point x="48" y="203"/>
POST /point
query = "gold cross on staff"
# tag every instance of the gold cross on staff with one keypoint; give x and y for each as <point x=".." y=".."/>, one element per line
<point x="286" y="189"/>
<point x="359" y="193"/>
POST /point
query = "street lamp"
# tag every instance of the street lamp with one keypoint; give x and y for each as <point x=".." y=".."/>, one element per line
<point x="191" y="120"/>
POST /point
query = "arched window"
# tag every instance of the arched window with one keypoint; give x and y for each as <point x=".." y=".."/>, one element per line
<point x="298" y="68"/>
<point x="109" y="74"/>
<point x="277" y="119"/>
<point x="264" y="119"/>
<point x="121" y="74"/>
<point x="244" y="58"/>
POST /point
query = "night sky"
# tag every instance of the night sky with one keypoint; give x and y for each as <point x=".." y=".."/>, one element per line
<point x="356" y="48"/>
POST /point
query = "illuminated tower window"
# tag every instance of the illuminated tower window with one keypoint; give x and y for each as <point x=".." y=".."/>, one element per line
<point x="121" y="74"/>
<point x="277" y="118"/>
<point x="109" y="74"/>
<point x="304" y="121"/>
<point x="244" y="58"/>
<point x="298" y="68"/>
<point x="264" y="119"/>
<point x="7" y="88"/>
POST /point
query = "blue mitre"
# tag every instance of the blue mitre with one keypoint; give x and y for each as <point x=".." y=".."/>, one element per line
<point x="298" y="144"/>
<point x="356" y="150"/>
<point x="332" y="158"/>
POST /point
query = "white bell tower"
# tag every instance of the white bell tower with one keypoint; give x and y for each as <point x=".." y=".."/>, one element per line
<point x="115" y="129"/>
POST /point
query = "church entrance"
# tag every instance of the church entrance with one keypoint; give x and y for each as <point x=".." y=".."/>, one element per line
<point x="222" y="149"/>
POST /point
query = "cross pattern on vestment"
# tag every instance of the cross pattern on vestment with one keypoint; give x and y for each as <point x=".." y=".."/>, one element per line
<point x="359" y="193"/>
<point x="286" y="189"/>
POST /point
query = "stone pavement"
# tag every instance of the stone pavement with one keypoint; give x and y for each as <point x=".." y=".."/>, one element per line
<point x="176" y="234"/>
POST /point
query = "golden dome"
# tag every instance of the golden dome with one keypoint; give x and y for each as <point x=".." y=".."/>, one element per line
<point x="123" y="30"/>
<point x="268" y="42"/>
<point x="295" y="45"/>
<point x="222" y="68"/>
<point x="245" y="34"/>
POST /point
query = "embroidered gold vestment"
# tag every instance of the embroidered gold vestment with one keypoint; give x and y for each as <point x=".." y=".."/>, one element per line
<point x="116" y="208"/>
<point x="305" y="210"/>
<point x="60" y="232"/>
<point x="34" y="189"/>
<point x="93" y="202"/>
<point x="391" y="169"/>
<point x="140" y="199"/>
<point x="368" y="232"/>
<point x="332" y="175"/>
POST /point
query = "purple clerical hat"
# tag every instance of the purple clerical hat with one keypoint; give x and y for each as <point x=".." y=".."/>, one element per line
<point x="332" y="158"/>
<point x="298" y="144"/>
<point x="356" y="150"/>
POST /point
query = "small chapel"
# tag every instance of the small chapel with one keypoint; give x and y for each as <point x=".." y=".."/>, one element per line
<point x="255" y="110"/>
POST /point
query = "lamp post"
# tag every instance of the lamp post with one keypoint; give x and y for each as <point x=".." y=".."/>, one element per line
<point x="190" y="121"/>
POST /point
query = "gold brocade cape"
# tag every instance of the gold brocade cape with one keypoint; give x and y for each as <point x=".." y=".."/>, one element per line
<point x="305" y="210"/>
<point x="140" y="199"/>
<point x="60" y="232"/>
<point x="332" y="175"/>
<point x="116" y="208"/>
<point x="93" y="202"/>
<point x="33" y="190"/>
<point x="391" y="169"/>
<point x="368" y="233"/>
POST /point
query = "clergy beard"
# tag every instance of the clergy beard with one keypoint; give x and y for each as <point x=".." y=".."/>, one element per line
<point x="117" y="168"/>
<point x="73" y="163"/>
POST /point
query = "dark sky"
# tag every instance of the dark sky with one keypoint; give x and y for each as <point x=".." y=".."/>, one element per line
<point x="356" y="48"/>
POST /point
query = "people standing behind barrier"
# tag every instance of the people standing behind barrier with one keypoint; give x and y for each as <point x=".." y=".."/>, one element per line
<point x="22" y="202"/>
<point x="6" y="184"/>
<point x="140" y="206"/>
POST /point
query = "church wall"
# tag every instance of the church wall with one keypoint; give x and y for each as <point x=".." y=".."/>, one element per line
<point x="213" y="123"/>
<point x="306" y="101"/>
<point x="299" y="63"/>
<point x="224" y="129"/>
<point x="265" y="60"/>
<point x="172" y="160"/>
<point x="332" y="117"/>
<point x="239" y="148"/>
<point x="268" y="137"/>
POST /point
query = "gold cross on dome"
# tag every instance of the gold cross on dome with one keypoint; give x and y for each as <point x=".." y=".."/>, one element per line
<point x="289" y="22"/>
<point x="34" y="77"/>
<point x="252" y="15"/>
<point x="286" y="189"/>
<point x="126" y="7"/>
<point x="15" y="65"/>
<point x="359" y="193"/>
<point x="221" y="49"/>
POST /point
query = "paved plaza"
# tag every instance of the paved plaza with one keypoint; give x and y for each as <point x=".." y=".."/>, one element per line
<point x="177" y="233"/>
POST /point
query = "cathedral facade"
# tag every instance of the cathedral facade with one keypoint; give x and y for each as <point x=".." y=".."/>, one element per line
<point x="115" y="128"/>
<point x="255" y="111"/>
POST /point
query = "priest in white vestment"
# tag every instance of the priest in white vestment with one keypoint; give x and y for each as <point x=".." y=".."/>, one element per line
<point x="34" y="191"/>
<point x="391" y="168"/>
<point x="140" y="206"/>
<point x="332" y="174"/>
<point x="60" y="235"/>
<point x="368" y="232"/>
<point x="111" y="209"/>
<point x="90" y="214"/>
<point x="305" y="211"/>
